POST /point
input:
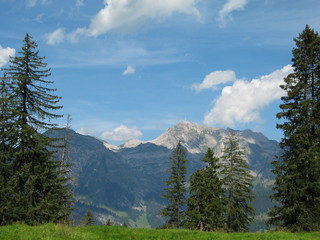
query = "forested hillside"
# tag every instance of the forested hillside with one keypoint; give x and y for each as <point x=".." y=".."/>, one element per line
<point x="126" y="184"/>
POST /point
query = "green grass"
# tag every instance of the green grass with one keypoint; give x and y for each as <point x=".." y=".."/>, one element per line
<point x="51" y="231"/>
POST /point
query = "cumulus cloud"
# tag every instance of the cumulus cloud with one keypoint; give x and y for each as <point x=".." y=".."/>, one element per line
<point x="55" y="37"/>
<point x="125" y="15"/>
<point x="229" y="7"/>
<point x="242" y="102"/>
<point x="122" y="133"/>
<point x="215" y="78"/>
<point x="5" y="53"/>
<point x="129" y="70"/>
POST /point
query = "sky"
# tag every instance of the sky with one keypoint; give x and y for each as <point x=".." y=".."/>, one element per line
<point x="133" y="68"/>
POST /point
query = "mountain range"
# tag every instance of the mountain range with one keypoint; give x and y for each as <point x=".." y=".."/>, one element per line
<point x="125" y="183"/>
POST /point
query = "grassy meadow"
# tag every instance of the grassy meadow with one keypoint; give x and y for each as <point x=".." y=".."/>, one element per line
<point x="52" y="231"/>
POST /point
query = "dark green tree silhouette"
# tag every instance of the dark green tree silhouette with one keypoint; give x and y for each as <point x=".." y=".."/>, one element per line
<point x="37" y="183"/>
<point x="205" y="206"/>
<point x="297" y="170"/>
<point x="8" y="139"/>
<point x="176" y="189"/>
<point x="88" y="218"/>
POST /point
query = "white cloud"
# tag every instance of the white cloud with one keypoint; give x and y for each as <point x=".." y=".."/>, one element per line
<point x="129" y="70"/>
<point x="5" y="53"/>
<point x="215" y="78"/>
<point x="242" y="102"/>
<point x="55" y="37"/>
<point x="229" y="7"/>
<point x="122" y="133"/>
<point x="86" y="131"/>
<point x="125" y="15"/>
<point x="73" y="36"/>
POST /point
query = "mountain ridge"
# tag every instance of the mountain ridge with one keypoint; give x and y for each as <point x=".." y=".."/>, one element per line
<point x="125" y="183"/>
<point x="188" y="134"/>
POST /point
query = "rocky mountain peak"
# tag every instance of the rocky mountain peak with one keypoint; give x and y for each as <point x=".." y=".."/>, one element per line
<point x="194" y="137"/>
<point x="132" y="143"/>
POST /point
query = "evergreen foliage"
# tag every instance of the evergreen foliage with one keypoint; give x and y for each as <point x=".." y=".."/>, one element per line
<point x="297" y="186"/>
<point x="176" y="188"/>
<point x="237" y="183"/>
<point x="8" y="136"/>
<point x="88" y="218"/>
<point x="33" y="185"/>
<point x="205" y="206"/>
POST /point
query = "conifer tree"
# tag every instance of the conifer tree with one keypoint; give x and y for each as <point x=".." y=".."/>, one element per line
<point x="88" y="217"/>
<point x="8" y="137"/>
<point x="176" y="189"/>
<point x="297" y="170"/>
<point x="205" y="205"/>
<point x="237" y="183"/>
<point x="37" y="183"/>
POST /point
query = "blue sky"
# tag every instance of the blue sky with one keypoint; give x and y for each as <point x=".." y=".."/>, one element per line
<point x="132" y="68"/>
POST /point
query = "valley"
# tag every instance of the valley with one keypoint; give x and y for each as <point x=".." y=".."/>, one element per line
<point x="125" y="183"/>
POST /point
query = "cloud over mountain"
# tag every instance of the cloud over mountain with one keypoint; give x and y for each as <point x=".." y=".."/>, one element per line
<point x="243" y="101"/>
<point x="122" y="133"/>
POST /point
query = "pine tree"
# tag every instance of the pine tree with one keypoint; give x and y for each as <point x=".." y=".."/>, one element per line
<point x="176" y="188"/>
<point x="37" y="183"/>
<point x="237" y="183"/>
<point x="205" y="205"/>
<point x="88" y="218"/>
<point x="297" y="186"/>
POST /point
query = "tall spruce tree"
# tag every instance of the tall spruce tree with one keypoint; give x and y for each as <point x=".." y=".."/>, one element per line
<point x="297" y="186"/>
<point x="176" y="189"/>
<point x="8" y="138"/>
<point x="205" y="206"/>
<point x="37" y="185"/>
<point x="237" y="183"/>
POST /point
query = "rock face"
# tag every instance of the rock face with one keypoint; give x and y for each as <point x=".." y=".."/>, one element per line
<point x="197" y="139"/>
<point x="125" y="183"/>
<point x="194" y="137"/>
